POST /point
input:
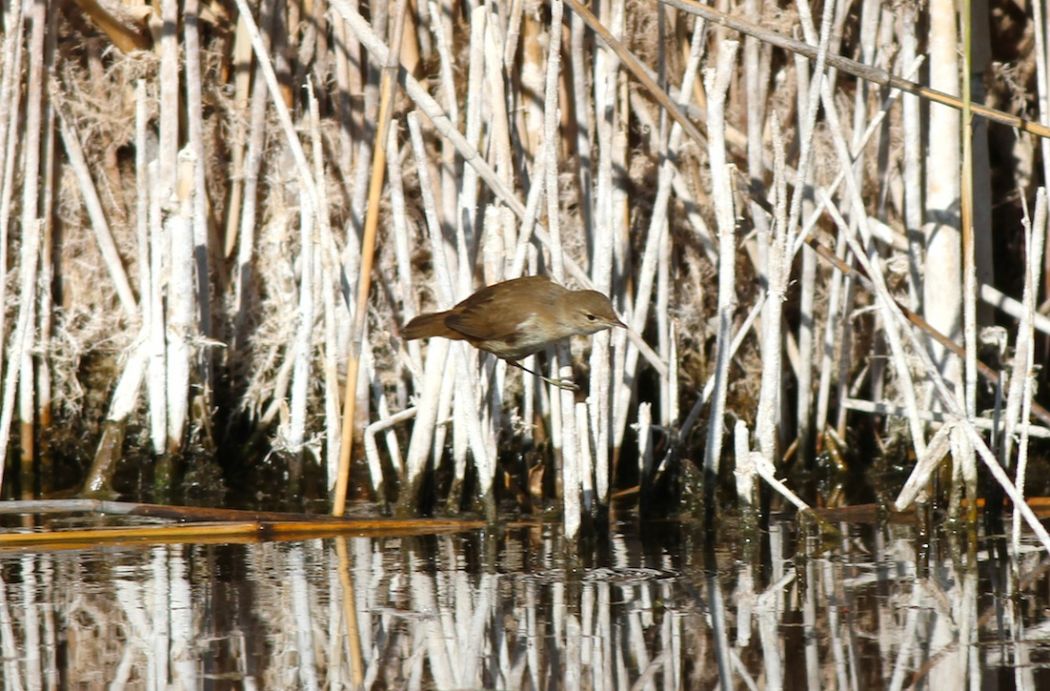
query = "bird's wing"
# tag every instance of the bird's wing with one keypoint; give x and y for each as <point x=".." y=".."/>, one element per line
<point x="473" y="316"/>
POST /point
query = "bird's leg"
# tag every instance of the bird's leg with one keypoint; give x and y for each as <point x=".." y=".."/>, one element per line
<point x="560" y="383"/>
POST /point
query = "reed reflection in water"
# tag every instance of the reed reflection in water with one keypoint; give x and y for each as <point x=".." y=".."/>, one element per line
<point x="650" y="610"/>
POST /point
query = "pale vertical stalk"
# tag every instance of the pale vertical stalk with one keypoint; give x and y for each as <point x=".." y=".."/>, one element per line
<point x="242" y="65"/>
<point x="46" y="279"/>
<point x="805" y="419"/>
<point x="531" y="76"/>
<point x="756" y="158"/>
<point x="466" y="397"/>
<point x="1042" y="78"/>
<point x="833" y="324"/>
<point x="157" y="372"/>
<point x="30" y="224"/>
<point x="528" y="221"/>
<point x="195" y="133"/>
<point x="1024" y="356"/>
<point x="645" y="454"/>
<point x="605" y="386"/>
<point x="716" y="83"/>
<point x="402" y="251"/>
<point x="168" y="84"/>
<point x="966" y="461"/>
<point x="462" y="366"/>
<point x="466" y="219"/>
<point x="444" y="402"/>
<point x="180" y="303"/>
<point x="806" y="349"/>
<point x="571" y="480"/>
<point x="10" y="131"/>
<point x="21" y="339"/>
<point x="911" y="126"/>
<point x="437" y="353"/>
<point x="583" y="154"/>
<point x="103" y="236"/>
<point x="302" y="345"/>
<point x="583" y="435"/>
<point x="441" y="25"/>
<point x="329" y="271"/>
<point x="243" y="273"/>
<point x="599" y="242"/>
<point x="778" y="269"/>
<point x="498" y="126"/>
<point x="943" y="272"/>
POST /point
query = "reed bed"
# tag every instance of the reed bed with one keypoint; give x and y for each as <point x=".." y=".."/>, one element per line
<point x="215" y="218"/>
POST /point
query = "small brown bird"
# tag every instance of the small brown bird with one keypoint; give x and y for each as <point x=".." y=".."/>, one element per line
<point x="517" y="318"/>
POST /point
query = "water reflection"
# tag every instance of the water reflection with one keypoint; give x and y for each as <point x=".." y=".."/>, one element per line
<point x="515" y="610"/>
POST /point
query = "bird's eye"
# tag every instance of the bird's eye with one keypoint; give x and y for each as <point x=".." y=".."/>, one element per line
<point x="591" y="317"/>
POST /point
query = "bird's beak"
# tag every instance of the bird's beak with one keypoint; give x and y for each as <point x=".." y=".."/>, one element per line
<point x="620" y="324"/>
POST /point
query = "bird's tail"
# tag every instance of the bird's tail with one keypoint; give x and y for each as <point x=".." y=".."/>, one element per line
<point x="428" y="326"/>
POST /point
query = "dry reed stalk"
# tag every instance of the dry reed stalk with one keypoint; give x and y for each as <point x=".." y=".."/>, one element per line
<point x="31" y="224"/>
<point x="467" y="201"/>
<point x="242" y="67"/>
<point x="301" y="348"/>
<point x="716" y="82"/>
<point x="10" y="131"/>
<point x="402" y="248"/>
<point x="778" y="270"/>
<point x="644" y="429"/>
<point x="44" y="394"/>
<point x="605" y="386"/>
<point x="195" y="143"/>
<point x="756" y="106"/>
<point x="570" y="447"/>
<point x="1022" y="375"/>
<point x="965" y="462"/>
<point x="942" y="300"/>
<point x="912" y="163"/>
<point x="157" y="370"/>
<point x="435" y="375"/>
<point x="243" y="279"/>
<point x="180" y="316"/>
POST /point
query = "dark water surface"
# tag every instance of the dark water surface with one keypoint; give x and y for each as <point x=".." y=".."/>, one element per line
<point x="644" y="607"/>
